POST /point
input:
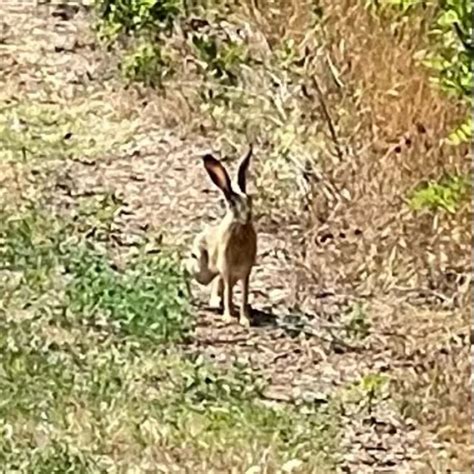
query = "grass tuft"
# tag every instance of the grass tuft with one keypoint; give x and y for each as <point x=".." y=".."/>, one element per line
<point x="446" y="194"/>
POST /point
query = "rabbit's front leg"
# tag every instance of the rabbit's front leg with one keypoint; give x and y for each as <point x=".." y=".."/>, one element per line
<point x="227" y="283"/>
<point x="244" y="318"/>
<point x="215" y="299"/>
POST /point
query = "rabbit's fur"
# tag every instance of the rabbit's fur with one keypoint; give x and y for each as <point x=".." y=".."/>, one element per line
<point x="225" y="253"/>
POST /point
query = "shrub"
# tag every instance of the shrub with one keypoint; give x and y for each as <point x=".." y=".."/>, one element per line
<point x="145" y="64"/>
<point x="134" y="16"/>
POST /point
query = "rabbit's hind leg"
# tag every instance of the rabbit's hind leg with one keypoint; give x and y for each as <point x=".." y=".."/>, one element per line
<point x="245" y="310"/>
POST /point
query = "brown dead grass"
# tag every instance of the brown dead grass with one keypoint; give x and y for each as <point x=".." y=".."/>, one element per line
<point x="395" y="103"/>
<point x="433" y="387"/>
<point x="280" y="20"/>
<point x="394" y="122"/>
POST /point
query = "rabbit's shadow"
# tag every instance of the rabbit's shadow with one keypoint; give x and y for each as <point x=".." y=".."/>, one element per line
<point x="263" y="318"/>
<point x="293" y="324"/>
<point x="259" y="318"/>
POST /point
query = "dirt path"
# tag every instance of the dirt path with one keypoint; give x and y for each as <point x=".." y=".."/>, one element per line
<point x="299" y="341"/>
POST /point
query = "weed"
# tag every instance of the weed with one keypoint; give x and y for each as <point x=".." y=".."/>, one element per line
<point x="220" y="58"/>
<point x="452" y="59"/>
<point x="357" y="325"/>
<point x="367" y="392"/>
<point x="35" y="132"/>
<point x="56" y="457"/>
<point x="462" y="133"/>
<point x="443" y="195"/>
<point x="133" y="16"/>
<point x="147" y="299"/>
<point x="146" y="64"/>
<point x="29" y="249"/>
<point x="95" y="214"/>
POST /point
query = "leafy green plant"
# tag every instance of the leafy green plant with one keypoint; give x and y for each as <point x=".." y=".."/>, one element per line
<point x="461" y="134"/>
<point x="203" y="384"/>
<point x="445" y="194"/>
<point x="366" y="392"/>
<point x="220" y="58"/>
<point x="95" y="214"/>
<point x="133" y="16"/>
<point x="374" y="387"/>
<point x="357" y="325"/>
<point x="60" y="457"/>
<point x="453" y="59"/>
<point x="29" y="248"/>
<point x="146" y="23"/>
<point x="146" y="64"/>
<point x="148" y="298"/>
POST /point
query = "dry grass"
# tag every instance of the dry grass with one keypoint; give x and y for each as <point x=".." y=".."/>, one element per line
<point x="393" y="123"/>
<point x="396" y="122"/>
<point x="434" y="387"/>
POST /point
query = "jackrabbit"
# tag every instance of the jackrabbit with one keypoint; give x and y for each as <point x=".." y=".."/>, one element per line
<point x="225" y="253"/>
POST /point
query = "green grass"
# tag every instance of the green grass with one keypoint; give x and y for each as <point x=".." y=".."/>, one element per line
<point x="147" y="298"/>
<point x="114" y="402"/>
<point x="90" y="377"/>
<point x="48" y="131"/>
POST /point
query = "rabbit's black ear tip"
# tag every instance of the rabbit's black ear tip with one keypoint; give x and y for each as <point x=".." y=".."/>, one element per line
<point x="208" y="158"/>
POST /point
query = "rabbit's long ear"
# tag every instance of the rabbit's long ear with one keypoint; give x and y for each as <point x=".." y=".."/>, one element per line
<point x="218" y="175"/>
<point x="243" y="167"/>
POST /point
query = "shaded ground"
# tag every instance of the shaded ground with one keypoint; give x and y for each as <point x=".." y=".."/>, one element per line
<point x="309" y="343"/>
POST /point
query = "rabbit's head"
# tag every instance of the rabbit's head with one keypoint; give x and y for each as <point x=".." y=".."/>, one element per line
<point x="238" y="202"/>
